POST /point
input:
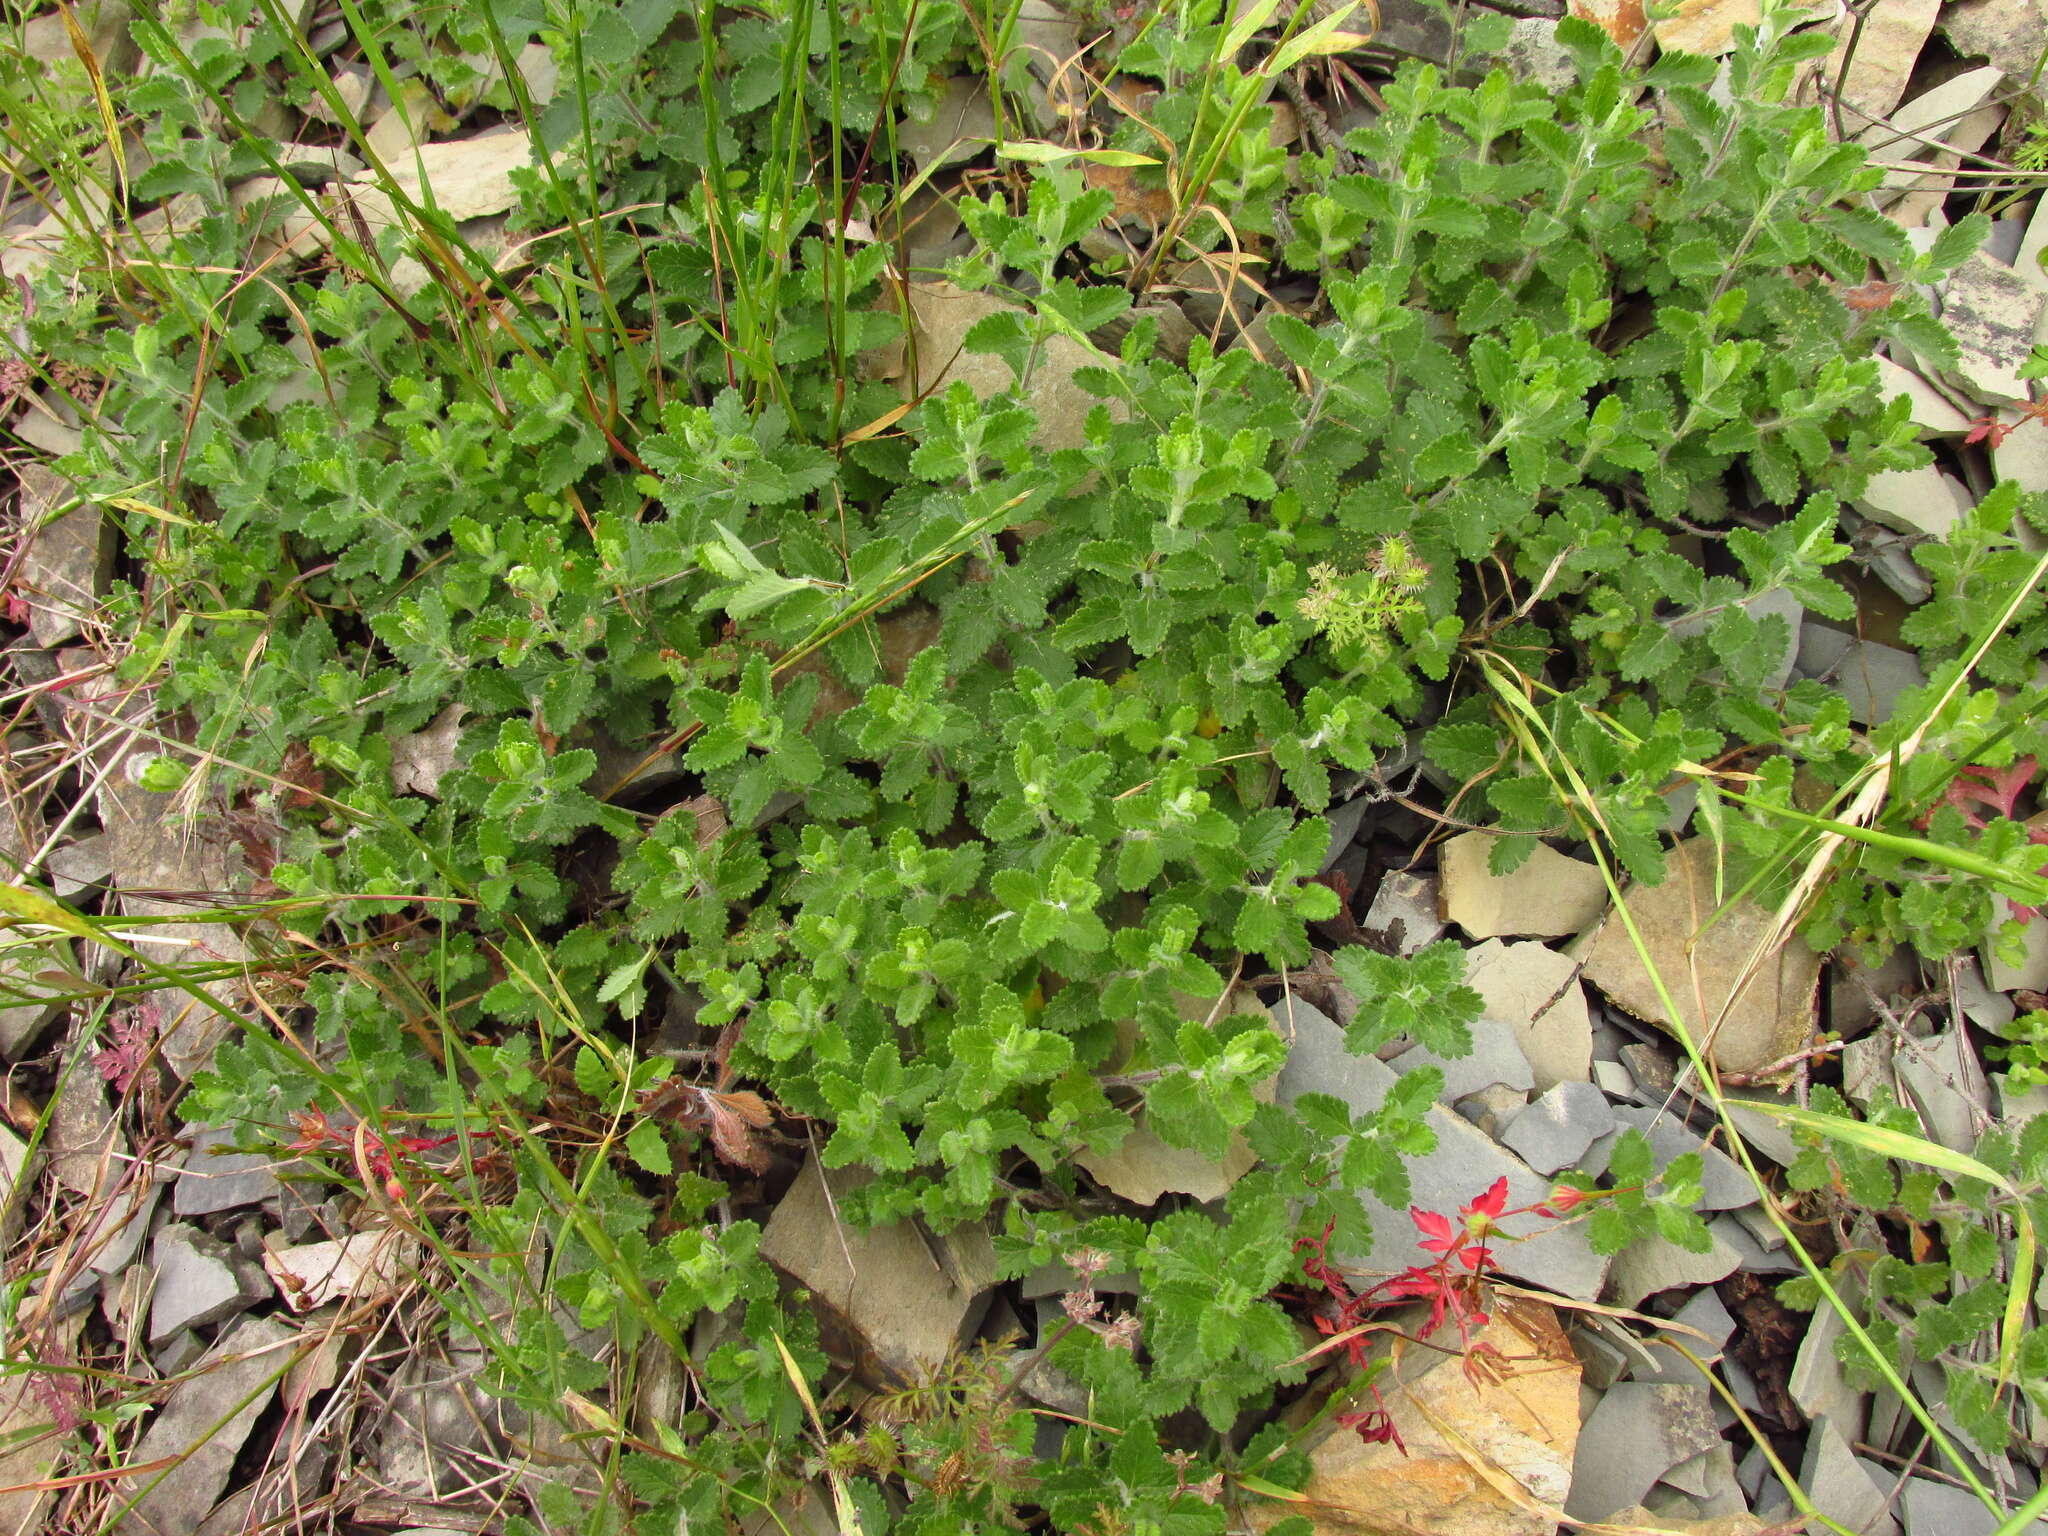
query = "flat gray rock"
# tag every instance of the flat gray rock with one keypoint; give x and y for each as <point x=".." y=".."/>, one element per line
<point x="216" y="1179"/>
<point x="1817" y="1383"/>
<point x="1651" y="1265"/>
<point x="1929" y="1508"/>
<point x="962" y="125"/>
<point x="114" y="1235"/>
<point x="1927" y="500"/>
<point x="1872" y="677"/>
<point x="1992" y="311"/>
<point x="1405" y="908"/>
<point x="196" y="1282"/>
<point x="1495" y="1060"/>
<point x="79" y="867"/>
<point x="201" y="1427"/>
<point x="881" y="1293"/>
<point x="1557" y="1128"/>
<point x="66" y="569"/>
<point x="1776" y="604"/>
<point x="1853" y="1491"/>
<point x="2032" y="970"/>
<point x="1343" y="820"/>
<point x="1637" y="1433"/>
<point x="1703" y="1314"/>
<point x="1463" y="1166"/>
<point x="16" y="1163"/>
<point x="1945" y="1083"/>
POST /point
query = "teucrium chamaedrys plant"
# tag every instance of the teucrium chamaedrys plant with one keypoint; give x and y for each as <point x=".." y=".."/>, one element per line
<point x="1564" y="409"/>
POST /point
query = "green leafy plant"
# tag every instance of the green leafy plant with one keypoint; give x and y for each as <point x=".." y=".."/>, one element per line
<point x="945" y="783"/>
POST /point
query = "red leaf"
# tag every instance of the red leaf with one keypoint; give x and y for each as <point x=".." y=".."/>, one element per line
<point x="1437" y="1236"/>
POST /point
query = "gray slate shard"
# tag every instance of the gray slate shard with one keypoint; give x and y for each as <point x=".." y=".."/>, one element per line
<point x="218" y="1180"/>
<point x="1940" y="1509"/>
<point x="1637" y="1433"/>
<point x="196" y="1282"/>
<point x="1870" y="676"/>
<point x="1703" y="1314"/>
<point x="1853" y="1491"/>
<point x="202" y="1426"/>
<point x="1495" y="1060"/>
<point x="1557" y="1128"/>
<point x="1461" y="1168"/>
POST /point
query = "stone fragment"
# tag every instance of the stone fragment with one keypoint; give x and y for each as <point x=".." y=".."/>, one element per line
<point x="201" y="1427"/>
<point x="1411" y="901"/>
<point x="1926" y="500"/>
<point x="1144" y="1168"/>
<point x="1343" y="820"/>
<point x="1637" y="1433"/>
<point x="88" y="1150"/>
<point x="1724" y="1184"/>
<point x="1930" y="130"/>
<point x="1887" y="47"/>
<point x="359" y="1265"/>
<point x="1463" y="1165"/>
<point x="1493" y="1109"/>
<point x="1614" y="1079"/>
<point x="1534" y="54"/>
<point x="16" y="1163"/>
<point x="1546" y="896"/>
<point x="893" y="1299"/>
<point x="1536" y="990"/>
<point x="114" y="1232"/>
<point x="160" y="866"/>
<point x="2030" y="971"/>
<point x="1770" y="1020"/>
<point x="26" y="1009"/>
<point x="1554" y="1132"/>
<point x="1932" y="411"/>
<point x="420" y="758"/>
<point x="196" y="1283"/>
<point x="1702" y="1314"/>
<point x="1524" y="1428"/>
<point x="1654" y="1075"/>
<point x="1495" y="1060"/>
<point x="1928" y="1508"/>
<point x="2012" y="34"/>
<point x="1653" y="1265"/>
<point x="1709" y="1478"/>
<point x="2023" y="454"/>
<point x="1944" y="1082"/>
<point x="1622" y="20"/>
<point x="961" y="127"/>
<point x="468" y="177"/>
<point x="1857" y="989"/>
<point x="1637" y="1518"/>
<point x="69" y="560"/>
<point x="79" y="867"/>
<point x="1706" y="27"/>
<point x="1817" y="1382"/>
<point x="941" y="316"/>
<point x="1992" y="313"/>
<point x="217" y="1179"/>
<point x="33" y="1456"/>
<point x="1850" y="1489"/>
